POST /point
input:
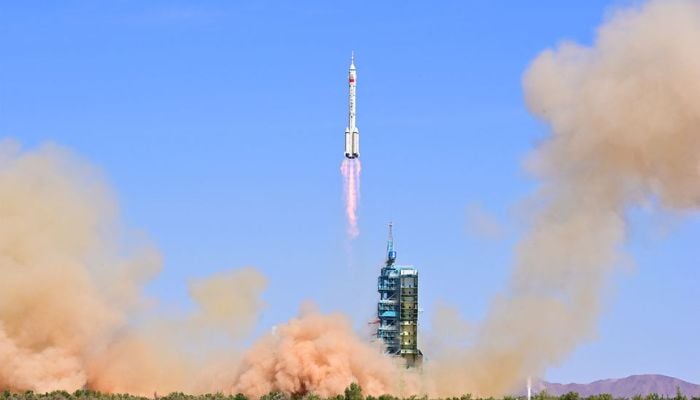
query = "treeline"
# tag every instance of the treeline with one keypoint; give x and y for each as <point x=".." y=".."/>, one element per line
<point x="352" y="392"/>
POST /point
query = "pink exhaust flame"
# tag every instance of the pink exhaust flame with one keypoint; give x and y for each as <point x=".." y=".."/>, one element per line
<point x="351" y="188"/>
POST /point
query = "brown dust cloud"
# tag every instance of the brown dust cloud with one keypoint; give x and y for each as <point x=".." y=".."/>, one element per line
<point x="622" y="116"/>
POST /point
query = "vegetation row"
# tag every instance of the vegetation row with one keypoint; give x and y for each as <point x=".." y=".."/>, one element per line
<point x="352" y="392"/>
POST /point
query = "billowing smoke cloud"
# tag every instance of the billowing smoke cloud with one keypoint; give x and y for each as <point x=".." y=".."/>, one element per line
<point x="192" y="352"/>
<point x="73" y="314"/>
<point x="317" y="354"/>
<point x="70" y="291"/>
<point x="624" y="116"/>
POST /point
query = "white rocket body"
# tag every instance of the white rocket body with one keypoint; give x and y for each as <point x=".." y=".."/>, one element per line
<point x="352" y="134"/>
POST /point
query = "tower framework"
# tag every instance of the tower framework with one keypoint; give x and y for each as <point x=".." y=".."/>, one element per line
<point x="397" y="310"/>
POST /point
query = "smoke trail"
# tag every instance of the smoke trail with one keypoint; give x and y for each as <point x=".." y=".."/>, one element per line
<point x="350" y="168"/>
<point x="624" y="117"/>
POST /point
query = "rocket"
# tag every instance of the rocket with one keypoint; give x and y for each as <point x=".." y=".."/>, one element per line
<point x="352" y="134"/>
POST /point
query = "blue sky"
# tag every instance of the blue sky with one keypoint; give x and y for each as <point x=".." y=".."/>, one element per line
<point x="220" y="127"/>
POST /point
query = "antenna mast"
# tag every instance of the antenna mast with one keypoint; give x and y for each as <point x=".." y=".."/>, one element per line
<point x="390" y="252"/>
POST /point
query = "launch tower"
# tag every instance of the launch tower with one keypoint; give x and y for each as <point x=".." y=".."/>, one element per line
<point x="397" y="309"/>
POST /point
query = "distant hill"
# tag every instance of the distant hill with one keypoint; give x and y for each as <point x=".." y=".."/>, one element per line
<point x="625" y="387"/>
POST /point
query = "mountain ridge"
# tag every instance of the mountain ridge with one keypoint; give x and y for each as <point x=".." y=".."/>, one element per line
<point x="642" y="384"/>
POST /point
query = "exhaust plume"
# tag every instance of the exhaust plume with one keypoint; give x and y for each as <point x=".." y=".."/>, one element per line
<point x="624" y="117"/>
<point x="350" y="168"/>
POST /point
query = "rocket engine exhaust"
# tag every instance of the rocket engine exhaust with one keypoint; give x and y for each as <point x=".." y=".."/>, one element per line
<point x="350" y="168"/>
